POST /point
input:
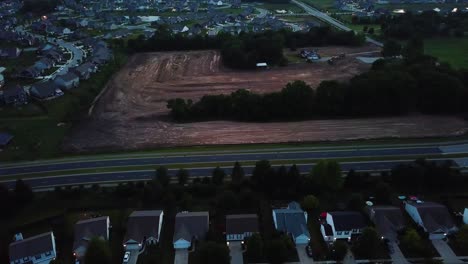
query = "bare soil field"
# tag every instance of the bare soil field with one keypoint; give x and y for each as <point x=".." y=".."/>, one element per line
<point x="132" y="112"/>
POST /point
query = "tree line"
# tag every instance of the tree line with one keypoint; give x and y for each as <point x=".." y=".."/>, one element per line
<point x="244" y="50"/>
<point x="392" y="87"/>
<point x="426" y="24"/>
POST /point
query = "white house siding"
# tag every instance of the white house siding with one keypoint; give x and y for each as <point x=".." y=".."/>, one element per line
<point x="181" y="243"/>
<point x="301" y="240"/>
<point x="465" y="216"/>
<point x="414" y="214"/>
<point x="437" y="236"/>
<point x="160" y="225"/>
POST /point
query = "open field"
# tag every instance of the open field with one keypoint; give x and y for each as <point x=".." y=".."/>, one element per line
<point x="451" y="50"/>
<point x="132" y="114"/>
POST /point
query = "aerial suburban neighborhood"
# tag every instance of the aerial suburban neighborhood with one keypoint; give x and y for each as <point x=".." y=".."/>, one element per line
<point x="233" y="131"/>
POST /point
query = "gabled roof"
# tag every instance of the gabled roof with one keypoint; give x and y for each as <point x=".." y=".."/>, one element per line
<point x="388" y="220"/>
<point x="68" y="77"/>
<point x="241" y="223"/>
<point x="435" y="217"/>
<point x="191" y="224"/>
<point x="347" y="220"/>
<point x="85" y="230"/>
<point x="291" y="220"/>
<point x="5" y="138"/>
<point x="44" y="89"/>
<point x="143" y="224"/>
<point x="32" y="246"/>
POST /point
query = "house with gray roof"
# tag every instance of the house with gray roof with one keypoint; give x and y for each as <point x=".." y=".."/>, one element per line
<point x="465" y="216"/>
<point x="292" y="221"/>
<point x="241" y="226"/>
<point x="87" y="229"/>
<point x="45" y="90"/>
<point x="190" y="226"/>
<point x="84" y="70"/>
<point x="434" y="218"/>
<point x="15" y="95"/>
<point x="388" y="220"/>
<point x="39" y="249"/>
<point x="68" y="80"/>
<point x="342" y="225"/>
<point x="143" y="228"/>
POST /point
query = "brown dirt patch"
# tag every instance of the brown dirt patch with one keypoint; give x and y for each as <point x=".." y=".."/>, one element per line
<point x="132" y="113"/>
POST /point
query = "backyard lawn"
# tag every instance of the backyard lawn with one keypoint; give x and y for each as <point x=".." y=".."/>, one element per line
<point x="451" y="50"/>
<point x="327" y="5"/>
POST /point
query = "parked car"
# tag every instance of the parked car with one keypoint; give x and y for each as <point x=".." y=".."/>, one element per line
<point x="309" y="251"/>
<point x="126" y="257"/>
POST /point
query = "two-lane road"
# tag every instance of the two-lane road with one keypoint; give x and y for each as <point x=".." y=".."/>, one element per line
<point x="219" y="158"/>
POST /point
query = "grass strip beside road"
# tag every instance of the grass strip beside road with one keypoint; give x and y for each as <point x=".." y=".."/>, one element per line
<point x="251" y="148"/>
<point x="215" y="164"/>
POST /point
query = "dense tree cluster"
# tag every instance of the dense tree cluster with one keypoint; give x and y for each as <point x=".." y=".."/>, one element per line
<point x="245" y="49"/>
<point x="426" y="24"/>
<point x="39" y="6"/>
<point x="392" y="87"/>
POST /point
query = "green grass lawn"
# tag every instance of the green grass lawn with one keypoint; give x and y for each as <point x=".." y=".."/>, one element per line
<point x="327" y="5"/>
<point x="288" y="7"/>
<point x="450" y="50"/>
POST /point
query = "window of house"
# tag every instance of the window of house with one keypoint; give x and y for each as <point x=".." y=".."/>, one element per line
<point x="48" y="253"/>
<point x="38" y="256"/>
<point x="338" y="233"/>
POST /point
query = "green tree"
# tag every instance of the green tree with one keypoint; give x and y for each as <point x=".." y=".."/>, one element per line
<point x="327" y="174"/>
<point x="391" y="48"/>
<point x="182" y="176"/>
<point x="228" y="200"/>
<point x="462" y="238"/>
<point x="255" y="248"/>
<point x="383" y="193"/>
<point x="213" y="253"/>
<point x="162" y="176"/>
<point x="218" y="176"/>
<point x="310" y="203"/>
<point x="98" y="252"/>
<point x="261" y="172"/>
<point x="339" y="250"/>
<point x="413" y="49"/>
<point x="237" y="174"/>
<point x="276" y="251"/>
<point x="368" y="244"/>
<point x="23" y="192"/>
<point x="412" y="241"/>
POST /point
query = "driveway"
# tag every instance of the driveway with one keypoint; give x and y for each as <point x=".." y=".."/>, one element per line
<point x="445" y="252"/>
<point x="133" y="256"/>
<point x="235" y="250"/>
<point x="396" y="254"/>
<point x="181" y="256"/>
<point x="301" y="253"/>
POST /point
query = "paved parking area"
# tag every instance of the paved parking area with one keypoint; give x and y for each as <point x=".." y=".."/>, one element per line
<point x="181" y="256"/>
<point x="133" y="256"/>
<point x="303" y="257"/>
<point x="445" y="252"/>
<point x="235" y="250"/>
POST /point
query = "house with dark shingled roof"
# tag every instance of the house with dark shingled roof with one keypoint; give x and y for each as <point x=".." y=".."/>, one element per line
<point x="39" y="249"/>
<point x="190" y="226"/>
<point x="85" y="230"/>
<point x="388" y="220"/>
<point x="293" y="222"/>
<point x="241" y="226"/>
<point x="143" y="228"/>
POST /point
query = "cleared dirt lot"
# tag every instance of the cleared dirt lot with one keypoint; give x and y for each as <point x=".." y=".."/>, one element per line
<point x="132" y="112"/>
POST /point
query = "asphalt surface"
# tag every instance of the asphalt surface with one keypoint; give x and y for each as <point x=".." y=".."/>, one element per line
<point x="330" y="20"/>
<point x="335" y="154"/>
<point x="112" y="177"/>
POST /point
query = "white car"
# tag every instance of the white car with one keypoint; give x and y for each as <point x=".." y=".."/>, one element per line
<point x="126" y="257"/>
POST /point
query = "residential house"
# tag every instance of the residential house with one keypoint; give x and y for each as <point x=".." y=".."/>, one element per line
<point x="434" y="218"/>
<point x="388" y="221"/>
<point x="53" y="55"/>
<point x="38" y="249"/>
<point x="67" y="81"/>
<point x="5" y="139"/>
<point x="15" y="95"/>
<point x="292" y="221"/>
<point x="84" y="70"/>
<point x="2" y="80"/>
<point x="44" y="64"/>
<point x="10" y="53"/>
<point x="30" y="72"/>
<point x="190" y="226"/>
<point x="341" y="225"/>
<point x="45" y="90"/>
<point x="143" y="227"/>
<point x="87" y="229"/>
<point x="241" y="226"/>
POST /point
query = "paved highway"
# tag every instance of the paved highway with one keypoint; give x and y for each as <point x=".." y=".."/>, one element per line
<point x="297" y="155"/>
<point x="330" y="20"/>
<point x="112" y="177"/>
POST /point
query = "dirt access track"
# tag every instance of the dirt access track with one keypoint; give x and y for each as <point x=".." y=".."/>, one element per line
<point x="132" y="113"/>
